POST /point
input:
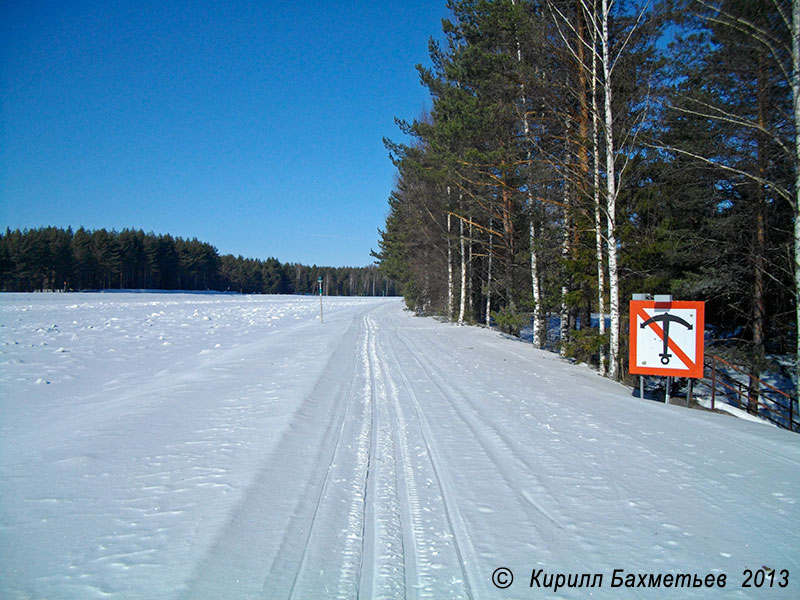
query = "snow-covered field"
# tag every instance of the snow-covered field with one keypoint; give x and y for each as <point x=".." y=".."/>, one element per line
<point x="215" y="446"/>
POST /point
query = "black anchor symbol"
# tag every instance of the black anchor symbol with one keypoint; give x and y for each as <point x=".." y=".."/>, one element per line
<point x="666" y="318"/>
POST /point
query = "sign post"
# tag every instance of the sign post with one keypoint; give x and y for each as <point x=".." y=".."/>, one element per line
<point x="666" y="338"/>
<point x="319" y="280"/>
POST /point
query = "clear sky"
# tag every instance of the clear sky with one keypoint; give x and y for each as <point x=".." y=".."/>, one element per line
<point x="255" y="126"/>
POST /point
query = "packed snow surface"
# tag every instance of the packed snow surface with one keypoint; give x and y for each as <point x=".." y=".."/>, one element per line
<point x="217" y="446"/>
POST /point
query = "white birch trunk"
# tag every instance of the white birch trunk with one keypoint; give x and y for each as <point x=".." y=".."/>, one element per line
<point x="611" y="201"/>
<point x="469" y="266"/>
<point x="535" y="289"/>
<point x="565" y="252"/>
<point x="538" y="338"/>
<point x="463" y="303"/>
<point x="449" y="265"/>
<point x="489" y="274"/>
<point x="598" y="224"/>
<point x="426" y="294"/>
<point x="563" y="329"/>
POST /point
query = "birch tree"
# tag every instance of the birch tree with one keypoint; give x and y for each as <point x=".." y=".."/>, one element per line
<point x="538" y="313"/>
<point x="611" y="192"/>
<point x="598" y="213"/>
<point x="599" y="52"/>
<point x="462" y="305"/>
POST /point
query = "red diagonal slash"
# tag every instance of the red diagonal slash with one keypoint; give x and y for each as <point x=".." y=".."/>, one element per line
<point x="690" y="364"/>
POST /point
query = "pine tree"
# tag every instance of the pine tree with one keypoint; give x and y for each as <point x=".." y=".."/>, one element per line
<point x="745" y="98"/>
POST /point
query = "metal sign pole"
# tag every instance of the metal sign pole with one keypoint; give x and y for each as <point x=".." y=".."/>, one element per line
<point x="320" y="299"/>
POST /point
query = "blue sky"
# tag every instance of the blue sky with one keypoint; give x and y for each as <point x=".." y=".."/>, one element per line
<point x="254" y="126"/>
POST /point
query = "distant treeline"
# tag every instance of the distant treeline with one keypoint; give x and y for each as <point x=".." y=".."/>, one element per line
<point x="51" y="258"/>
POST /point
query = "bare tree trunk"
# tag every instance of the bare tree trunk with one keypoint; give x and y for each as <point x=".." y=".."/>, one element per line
<point x="598" y="223"/>
<point x="611" y="199"/>
<point x="463" y="303"/>
<point x="759" y="265"/>
<point x="426" y="290"/>
<point x="538" y="320"/>
<point x="508" y="240"/>
<point x="565" y="252"/>
<point x="449" y="264"/>
<point x="489" y="272"/>
<point x="796" y="99"/>
<point x="538" y="314"/>
<point x="469" y="266"/>
<point x="759" y="308"/>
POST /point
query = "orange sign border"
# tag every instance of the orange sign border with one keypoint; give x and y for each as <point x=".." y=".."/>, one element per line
<point x="695" y="368"/>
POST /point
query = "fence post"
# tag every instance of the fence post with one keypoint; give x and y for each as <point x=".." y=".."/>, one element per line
<point x="753" y="393"/>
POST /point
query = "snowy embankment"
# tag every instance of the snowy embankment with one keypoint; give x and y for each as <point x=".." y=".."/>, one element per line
<point x="190" y="446"/>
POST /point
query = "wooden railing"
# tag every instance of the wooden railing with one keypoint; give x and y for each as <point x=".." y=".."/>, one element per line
<point x="756" y="395"/>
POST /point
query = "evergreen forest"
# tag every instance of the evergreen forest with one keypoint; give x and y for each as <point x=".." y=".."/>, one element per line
<point x="55" y="259"/>
<point x="578" y="151"/>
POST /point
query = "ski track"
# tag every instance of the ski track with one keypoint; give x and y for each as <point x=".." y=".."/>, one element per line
<point x="384" y="541"/>
<point x="293" y="500"/>
<point x="374" y="530"/>
<point x="454" y="557"/>
<point x="400" y="468"/>
<point x="494" y="445"/>
<point x="393" y="530"/>
<point x="558" y="529"/>
<point x="341" y="507"/>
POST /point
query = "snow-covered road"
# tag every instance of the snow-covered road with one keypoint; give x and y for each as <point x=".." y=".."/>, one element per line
<point x="212" y="446"/>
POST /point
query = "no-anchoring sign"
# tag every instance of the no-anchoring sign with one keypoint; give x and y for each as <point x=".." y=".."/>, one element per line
<point x="666" y="338"/>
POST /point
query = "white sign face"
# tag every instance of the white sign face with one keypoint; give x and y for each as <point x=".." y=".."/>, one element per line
<point x="667" y="339"/>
